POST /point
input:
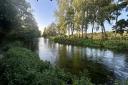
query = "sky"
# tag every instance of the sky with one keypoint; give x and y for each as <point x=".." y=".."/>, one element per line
<point x="43" y="11"/>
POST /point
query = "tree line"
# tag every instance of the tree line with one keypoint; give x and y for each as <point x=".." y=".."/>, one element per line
<point x="17" y="21"/>
<point x="19" y="65"/>
<point x="79" y="16"/>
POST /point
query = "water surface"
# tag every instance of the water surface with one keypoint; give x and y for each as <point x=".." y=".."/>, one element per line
<point x="101" y="64"/>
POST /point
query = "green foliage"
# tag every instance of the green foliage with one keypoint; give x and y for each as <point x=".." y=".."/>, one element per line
<point x="115" y="44"/>
<point x="25" y="34"/>
<point x="9" y="45"/>
<point x="79" y="16"/>
<point x="82" y="81"/>
<point x="17" y="21"/>
<point x="51" y="30"/>
<point x="20" y="66"/>
<point x="120" y="26"/>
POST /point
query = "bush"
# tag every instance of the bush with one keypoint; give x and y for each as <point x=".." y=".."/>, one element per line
<point x="23" y="34"/>
<point x="118" y="45"/>
<point x="20" y="66"/>
<point x="8" y="45"/>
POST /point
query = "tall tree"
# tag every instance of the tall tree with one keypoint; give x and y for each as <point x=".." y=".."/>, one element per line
<point x="16" y="19"/>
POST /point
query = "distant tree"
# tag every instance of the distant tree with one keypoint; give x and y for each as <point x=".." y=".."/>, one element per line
<point x="120" y="26"/>
<point x="76" y="16"/>
<point x="51" y="30"/>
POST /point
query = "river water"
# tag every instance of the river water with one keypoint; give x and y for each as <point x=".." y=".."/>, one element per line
<point x="101" y="64"/>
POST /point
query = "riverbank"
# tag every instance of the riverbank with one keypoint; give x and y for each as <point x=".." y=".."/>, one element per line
<point x="114" y="44"/>
<point x="23" y="67"/>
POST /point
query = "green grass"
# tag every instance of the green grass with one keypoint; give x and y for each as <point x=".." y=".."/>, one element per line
<point x="115" y="44"/>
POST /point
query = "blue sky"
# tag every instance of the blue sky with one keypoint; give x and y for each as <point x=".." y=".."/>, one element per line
<point x="43" y="11"/>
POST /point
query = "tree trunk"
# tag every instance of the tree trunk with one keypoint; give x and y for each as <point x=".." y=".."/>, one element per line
<point x="92" y="30"/>
<point x="72" y="29"/>
<point x="116" y="19"/>
<point x="105" y="35"/>
<point x="102" y="32"/>
<point x="116" y="27"/>
<point x="79" y="34"/>
<point x="82" y="31"/>
<point x="68" y="30"/>
<point x="86" y="33"/>
<point x="86" y="24"/>
<point x="86" y="27"/>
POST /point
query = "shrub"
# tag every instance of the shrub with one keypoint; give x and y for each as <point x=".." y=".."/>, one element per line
<point x="114" y="44"/>
<point x="20" y="67"/>
<point x="9" y="45"/>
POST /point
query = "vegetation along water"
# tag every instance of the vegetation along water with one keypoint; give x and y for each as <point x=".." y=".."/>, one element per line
<point x="87" y="44"/>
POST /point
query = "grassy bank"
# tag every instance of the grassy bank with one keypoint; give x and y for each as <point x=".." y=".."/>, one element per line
<point x="21" y="66"/>
<point x="115" y="44"/>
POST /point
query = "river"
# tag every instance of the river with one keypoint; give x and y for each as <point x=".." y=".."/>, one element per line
<point x="101" y="64"/>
